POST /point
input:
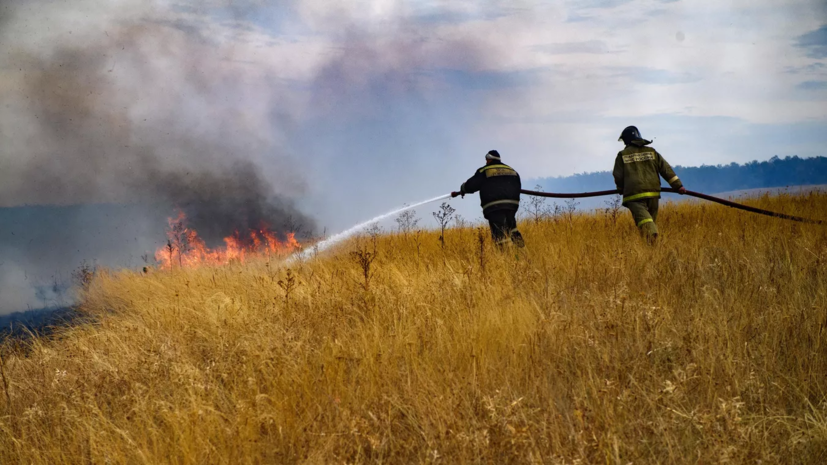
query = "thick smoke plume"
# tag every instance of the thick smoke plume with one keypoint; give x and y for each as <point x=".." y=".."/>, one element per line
<point x="145" y="114"/>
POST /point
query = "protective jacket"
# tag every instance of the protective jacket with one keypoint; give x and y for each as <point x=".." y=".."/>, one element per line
<point x="636" y="173"/>
<point x="499" y="187"/>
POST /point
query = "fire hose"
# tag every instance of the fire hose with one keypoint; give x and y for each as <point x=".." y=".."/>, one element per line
<point x="710" y="198"/>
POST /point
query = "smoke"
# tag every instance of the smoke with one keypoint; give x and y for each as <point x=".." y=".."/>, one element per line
<point x="236" y="197"/>
<point x="147" y="113"/>
<point x="192" y="104"/>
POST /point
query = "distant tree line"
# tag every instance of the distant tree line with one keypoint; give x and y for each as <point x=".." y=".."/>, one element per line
<point x="775" y="172"/>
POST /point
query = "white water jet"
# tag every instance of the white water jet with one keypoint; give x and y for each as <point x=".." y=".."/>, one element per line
<point x="347" y="234"/>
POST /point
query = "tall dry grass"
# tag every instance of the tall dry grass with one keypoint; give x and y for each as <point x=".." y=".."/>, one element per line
<point x="586" y="347"/>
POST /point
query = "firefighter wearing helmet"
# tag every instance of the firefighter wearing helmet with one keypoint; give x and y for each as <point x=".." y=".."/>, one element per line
<point x="637" y="174"/>
<point x="499" y="187"/>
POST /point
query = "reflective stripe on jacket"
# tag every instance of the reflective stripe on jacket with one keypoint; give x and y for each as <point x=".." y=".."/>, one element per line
<point x="637" y="173"/>
<point x="499" y="187"/>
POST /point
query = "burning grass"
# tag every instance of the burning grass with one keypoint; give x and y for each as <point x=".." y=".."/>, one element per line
<point x="586" y="347"/>
<point x="185" y="248"/>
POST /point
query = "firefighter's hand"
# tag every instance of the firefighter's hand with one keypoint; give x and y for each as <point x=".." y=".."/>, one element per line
<point x="455" y="194"/>
<point x="682" y="190"/>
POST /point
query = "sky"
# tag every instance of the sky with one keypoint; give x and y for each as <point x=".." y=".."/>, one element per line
<point x="343" y="110"/>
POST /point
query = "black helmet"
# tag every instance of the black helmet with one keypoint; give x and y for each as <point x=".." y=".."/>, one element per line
<point x="631" y="136"/>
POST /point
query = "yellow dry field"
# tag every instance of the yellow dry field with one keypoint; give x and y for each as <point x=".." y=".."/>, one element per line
<point x="588" y="346"/>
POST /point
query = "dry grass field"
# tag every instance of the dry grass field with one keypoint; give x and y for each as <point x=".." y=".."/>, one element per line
<point x="588" y="346"/>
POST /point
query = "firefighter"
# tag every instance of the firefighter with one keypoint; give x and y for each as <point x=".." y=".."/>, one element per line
<point x="636" y="176"/>
<point x="499" y="187"/>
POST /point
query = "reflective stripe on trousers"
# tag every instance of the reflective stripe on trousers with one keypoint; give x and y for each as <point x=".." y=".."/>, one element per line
<point x="642" y="195"/>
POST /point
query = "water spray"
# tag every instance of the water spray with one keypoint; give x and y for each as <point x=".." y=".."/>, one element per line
<point x="347" y="234"/>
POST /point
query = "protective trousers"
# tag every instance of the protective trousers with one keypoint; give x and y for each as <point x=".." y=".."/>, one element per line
<point x="645" y="213"/>
<point x="503" y="225"/>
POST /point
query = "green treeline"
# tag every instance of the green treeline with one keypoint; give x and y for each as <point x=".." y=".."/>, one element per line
<point x="776" y="172"/>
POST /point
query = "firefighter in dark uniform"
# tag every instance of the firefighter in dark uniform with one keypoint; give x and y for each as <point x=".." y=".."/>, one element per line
<point x="636" y="172"/>
<point x="499" y="187"/>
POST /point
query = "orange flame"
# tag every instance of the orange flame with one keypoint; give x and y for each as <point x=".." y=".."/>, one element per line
<point x="185" y="249"/>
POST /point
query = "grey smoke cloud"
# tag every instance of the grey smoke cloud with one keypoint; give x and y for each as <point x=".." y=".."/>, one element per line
<point x="141" y="117"/>
<point x="158" y="102"/>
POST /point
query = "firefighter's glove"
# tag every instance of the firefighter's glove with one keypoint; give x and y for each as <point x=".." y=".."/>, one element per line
<point x="455" y="194"/>
<point x="682" y="190"/>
